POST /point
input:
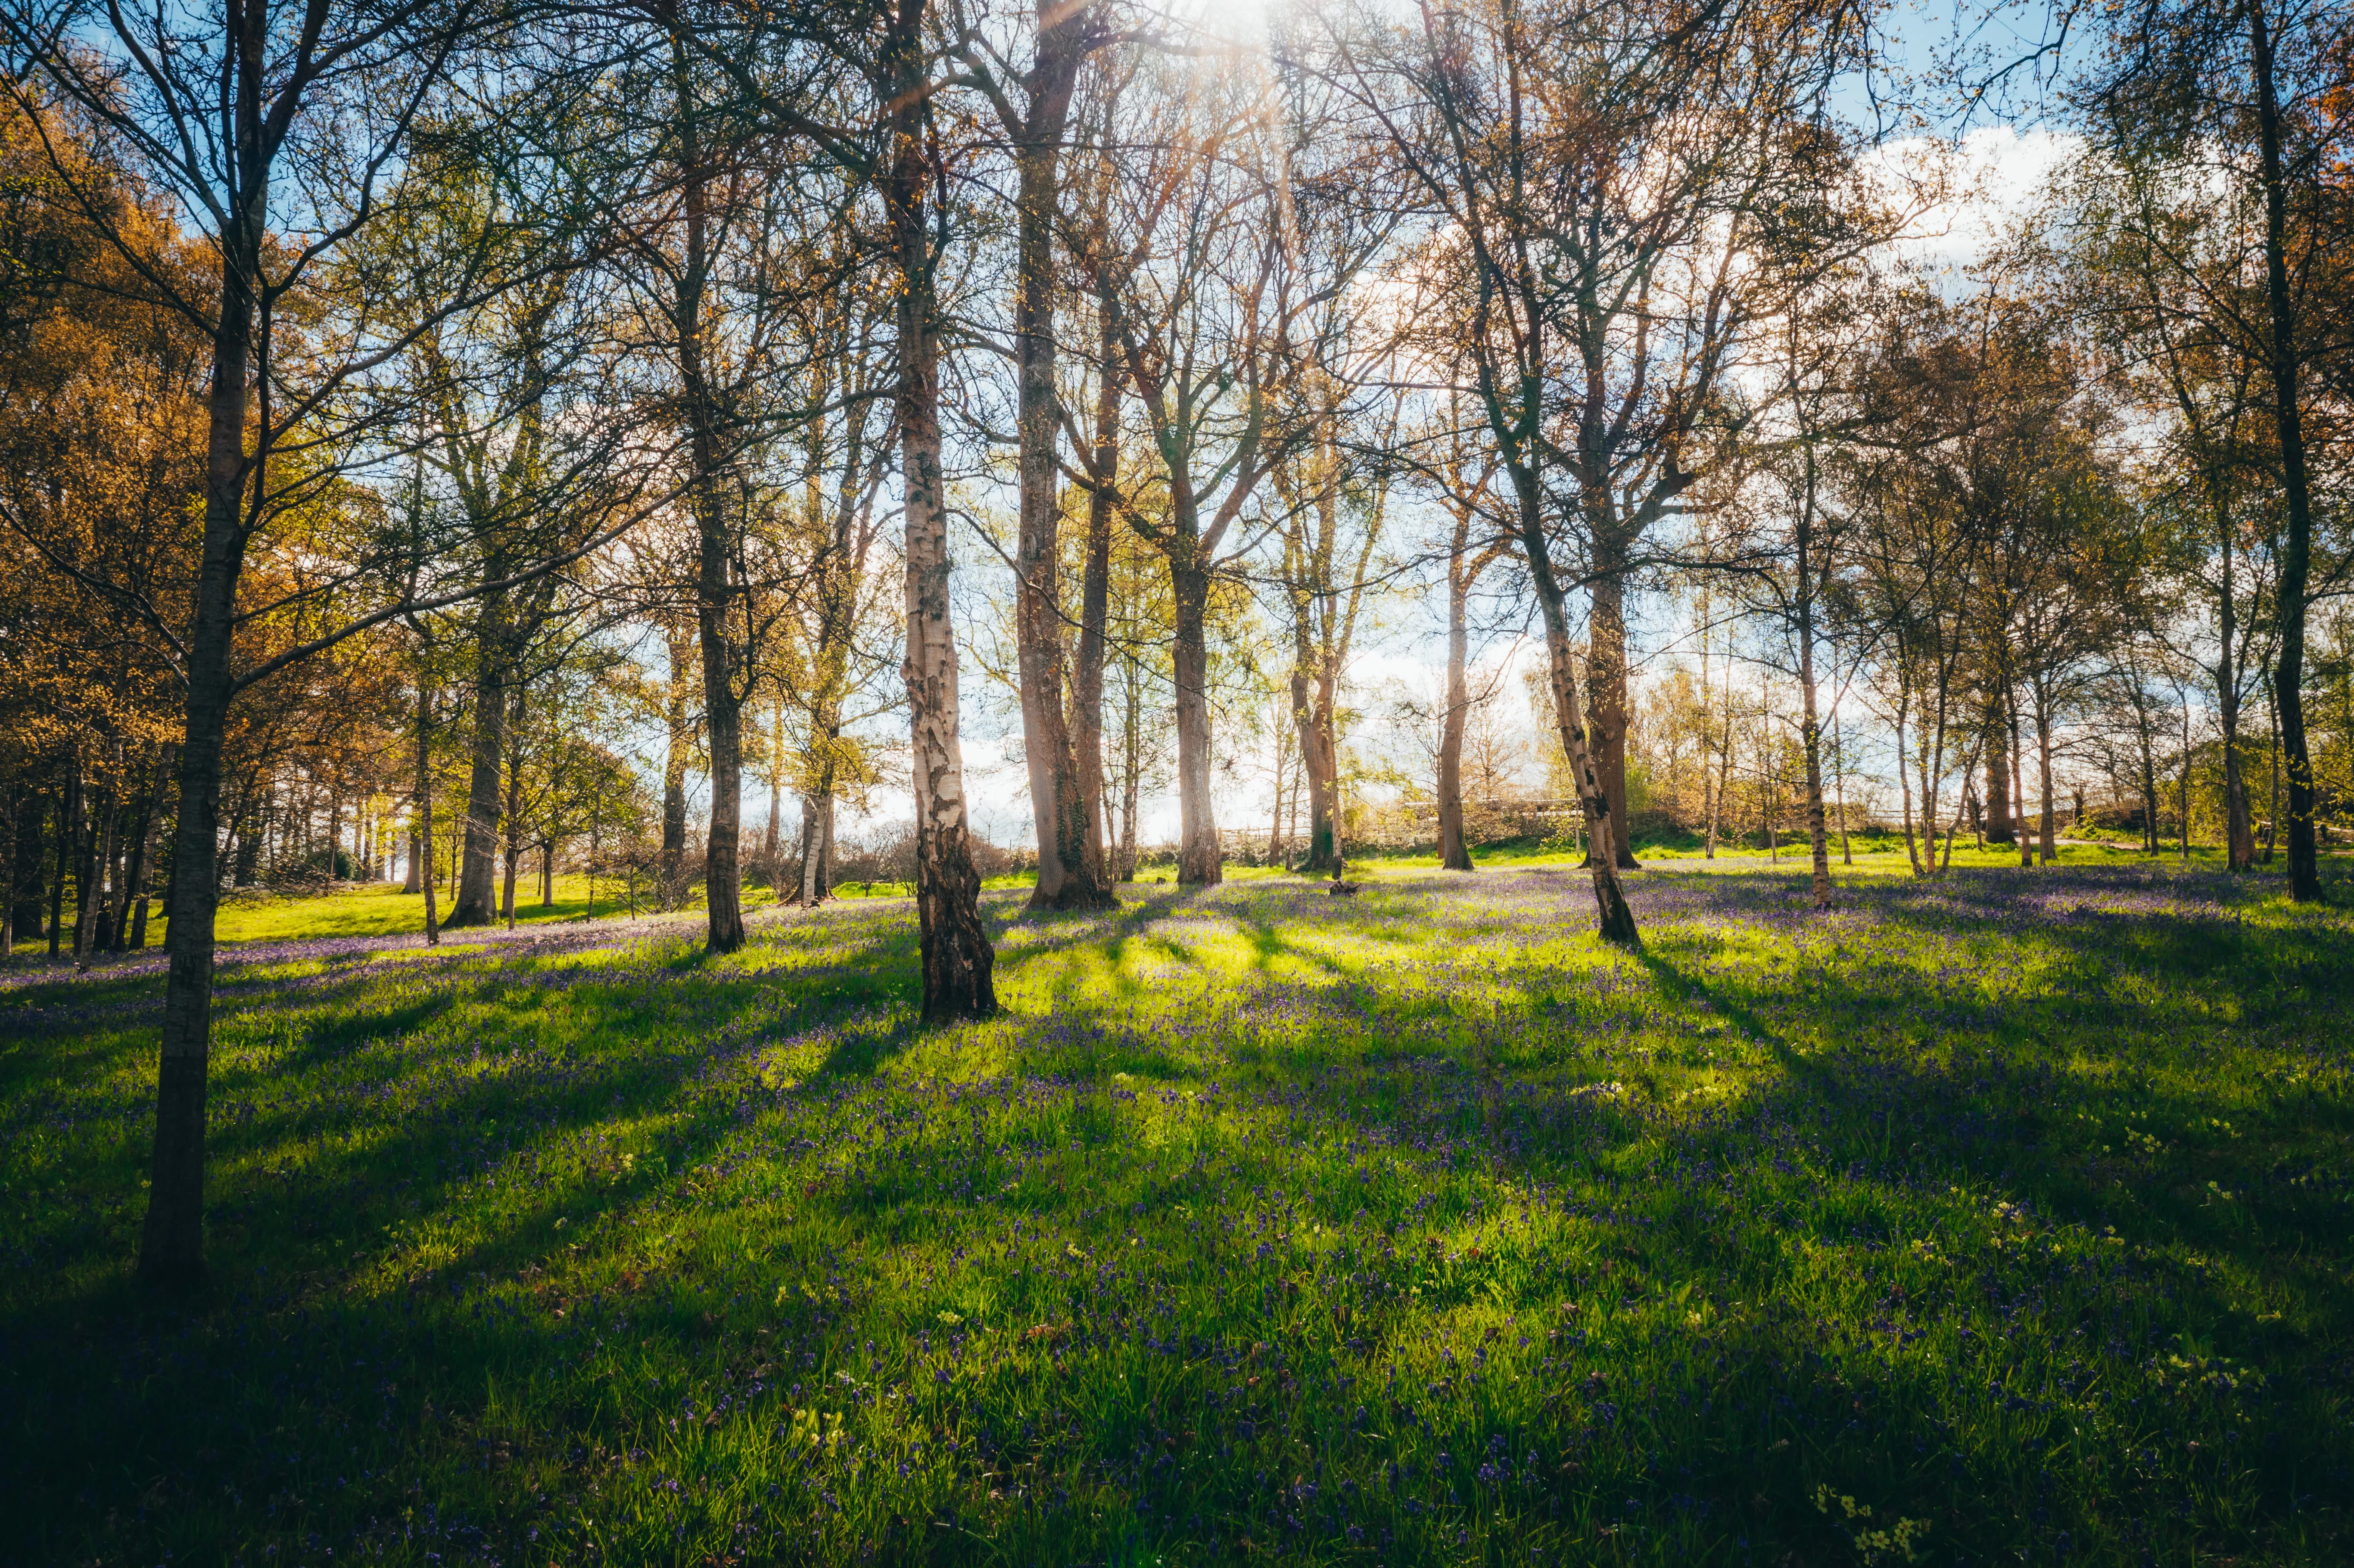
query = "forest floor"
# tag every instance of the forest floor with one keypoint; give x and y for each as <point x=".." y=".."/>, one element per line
<point x="381" y="909"/>
<point x="2002" y="1216"/>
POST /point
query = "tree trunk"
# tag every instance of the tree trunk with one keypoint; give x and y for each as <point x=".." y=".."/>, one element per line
<point x="171" y="1252"/>
<point x="131" y="931"/>
<point x="93" y="852"/>
<point x="2273" y="783"/>
<point x="335" y="834"/>
<point x="1716" y="811"/>
<point x="1131" y="767"/>
<point x="1969" y="765"/>
<point x="723" y="725"/>
<point x="31" y="810"/>
<point x="1312" y="718"/>
<point x="674" y="712"/>
<point x="1996" y="800"/>
<point x="1904" y="790"/>
<point x="958" y="959"/>
<point x="1095" y="611"/>
<point x="2288" y="417"/>
<point x="1199" y="863"/>
<point x="825" y="847"/>
<point x="1838" y="783"/>
<point x="1070" y="862"/>
<point x="1812" y="737"/>
<point x="1605" y="676"/>
<point x="61" y="866"/>
<point x="2239" y="832"/>
<point x="808" y="894"/>
<point x="771" y="846"/>
<point x="2183" y="790"/>
<point x="723" y="875"/>
<point x="424" y="844"/>
<point x="1818" y="819"/>
<point x="476" y="904"/>
<point x="251" y="828"/>
<point x="2047" y="843"/>
<point x="1454" y="855"/>
<point x="409" y="883"/>
<point x="1706" y="748"/>
<point x="512" y="844"/>
<point x="1615" y="915"/>
<point x="1932" y="760"/>
<point x="2018" y="779"/>
<point x="817" y="849"/>
<point x="23" y="893"/>
<point x="61" y="871"/>
<point x="125" y="828"/>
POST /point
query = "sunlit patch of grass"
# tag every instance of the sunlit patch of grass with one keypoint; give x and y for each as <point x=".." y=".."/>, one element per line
<point x="381" y="908"/>
<point x="1415" y="1226"/>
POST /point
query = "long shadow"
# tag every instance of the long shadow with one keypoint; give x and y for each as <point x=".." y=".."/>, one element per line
<point x="1256" y="907"/>
<point x="1111" y="937"/>
<point x="861" y="1044"/>
<point x="1268" y="945"/>
<point x="1081" y="928"/>
<point x="332" y="1037"/>
<point x="1692" y="988"/>
<point x="411" y="1168"/>
<point x="413" y="1163"/>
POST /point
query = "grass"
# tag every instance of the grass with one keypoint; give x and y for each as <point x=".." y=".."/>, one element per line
<point x="381" y="909"/>
<point x="2005" y="1217"/>
<point x="1868" y="853"/>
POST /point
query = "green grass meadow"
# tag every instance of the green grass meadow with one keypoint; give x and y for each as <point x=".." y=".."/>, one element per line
<point x="2002" y="1218"/>
<point x="381" y="909"/>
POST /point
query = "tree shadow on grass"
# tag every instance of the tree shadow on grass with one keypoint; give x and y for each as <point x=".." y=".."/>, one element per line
<point x="331" y="1037"/>
<point x="859" y="1044"/>
<point x="1686" y="987"/>
<point x="1050" y="931"/>
<point x="360" y="1164"/>
<point x="1267" y="944"/>
<point x="1107" y="937"/>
